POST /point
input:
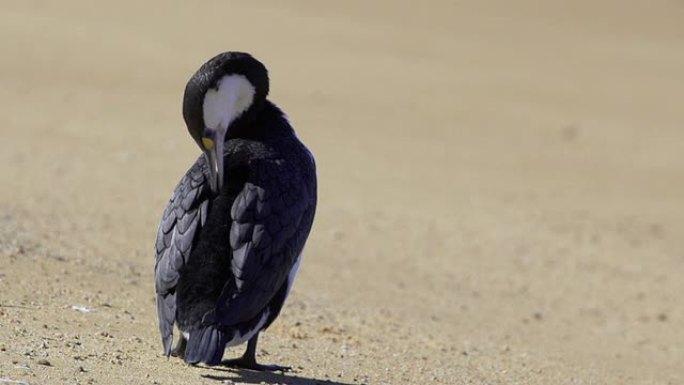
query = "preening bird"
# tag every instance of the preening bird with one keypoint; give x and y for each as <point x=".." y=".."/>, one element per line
<point x="230" y="240"/>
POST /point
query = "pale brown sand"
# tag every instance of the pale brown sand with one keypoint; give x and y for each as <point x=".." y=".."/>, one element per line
<point x="501" y="187"/>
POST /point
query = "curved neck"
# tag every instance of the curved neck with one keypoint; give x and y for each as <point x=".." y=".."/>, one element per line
<point x="268" y="123"/>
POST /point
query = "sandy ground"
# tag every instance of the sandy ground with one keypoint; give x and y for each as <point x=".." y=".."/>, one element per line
<point x="501" y="187"/>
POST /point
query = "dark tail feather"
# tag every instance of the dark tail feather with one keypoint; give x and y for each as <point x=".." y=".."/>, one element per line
<point x="207" y="345"/>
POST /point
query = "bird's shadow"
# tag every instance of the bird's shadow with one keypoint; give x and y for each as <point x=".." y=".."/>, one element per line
<point x="252" y="377"/>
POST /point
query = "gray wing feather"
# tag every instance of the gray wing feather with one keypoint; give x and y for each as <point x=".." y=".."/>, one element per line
<point x="183" y="216"/>
<point x="265" y="238"/>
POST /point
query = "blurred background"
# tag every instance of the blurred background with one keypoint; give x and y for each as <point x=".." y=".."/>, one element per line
<point x="501" y="187"/>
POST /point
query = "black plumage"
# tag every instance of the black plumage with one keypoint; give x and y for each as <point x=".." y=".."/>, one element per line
<point x="226" y="258"/>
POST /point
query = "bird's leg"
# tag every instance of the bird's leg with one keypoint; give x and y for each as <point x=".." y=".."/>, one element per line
<point x="248" y="360"/>
<point x="179" y="350"/>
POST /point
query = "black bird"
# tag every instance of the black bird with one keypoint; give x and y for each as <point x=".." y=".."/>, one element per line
<point x="230" y="240"/>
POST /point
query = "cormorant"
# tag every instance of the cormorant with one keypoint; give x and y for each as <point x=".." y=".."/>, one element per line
<point x="230" y="240"/>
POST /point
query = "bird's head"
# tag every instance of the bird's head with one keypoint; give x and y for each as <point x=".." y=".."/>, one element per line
<point x="222" y="97"/>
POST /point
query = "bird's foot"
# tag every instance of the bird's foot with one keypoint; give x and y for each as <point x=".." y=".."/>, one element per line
<point x="179" y="350"/>
<point x="251" y="364"/>
<point x="180" y="353"/>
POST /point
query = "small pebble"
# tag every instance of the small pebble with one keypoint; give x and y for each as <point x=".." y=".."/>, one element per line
<point x="44" y="362"/>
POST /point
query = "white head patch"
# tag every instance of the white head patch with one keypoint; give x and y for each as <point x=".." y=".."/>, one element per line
<point x="223" y="105"/>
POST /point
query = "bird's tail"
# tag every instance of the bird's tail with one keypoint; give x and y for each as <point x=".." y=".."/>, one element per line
<point x="206" y="344"/>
